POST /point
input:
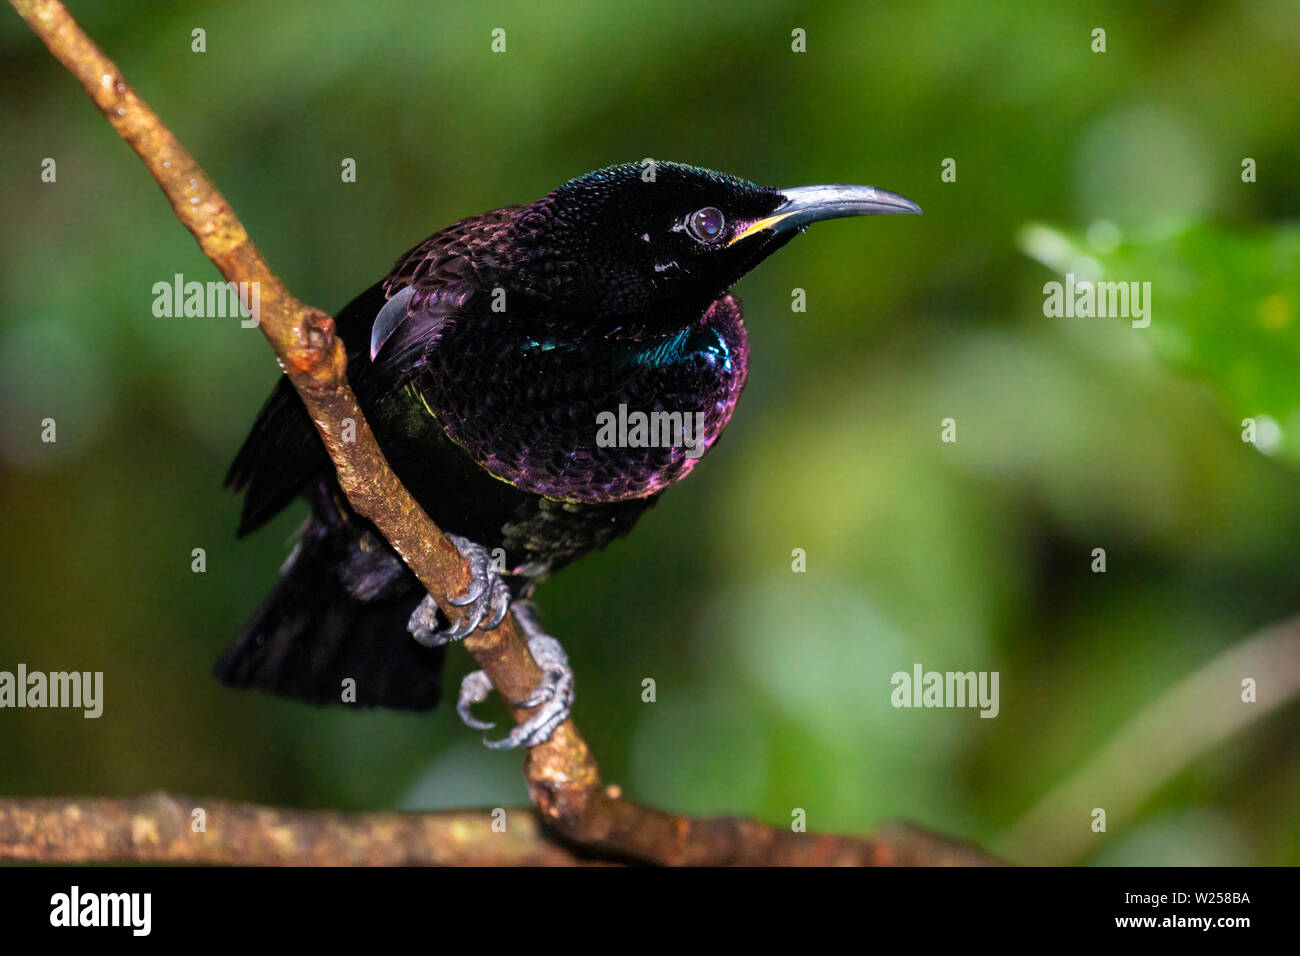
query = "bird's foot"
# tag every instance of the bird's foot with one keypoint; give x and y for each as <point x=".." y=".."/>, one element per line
<point x="487" y="597"/>
<point x="553" y="697"/>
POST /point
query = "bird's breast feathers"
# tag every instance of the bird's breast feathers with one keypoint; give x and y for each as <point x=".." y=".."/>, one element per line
<point x="589" y="420"/>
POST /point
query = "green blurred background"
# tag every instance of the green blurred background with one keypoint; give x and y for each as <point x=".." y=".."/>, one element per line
<point x="772" y="687"/>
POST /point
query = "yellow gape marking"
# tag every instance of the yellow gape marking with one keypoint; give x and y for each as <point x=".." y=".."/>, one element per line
<point x="758" y="227"/>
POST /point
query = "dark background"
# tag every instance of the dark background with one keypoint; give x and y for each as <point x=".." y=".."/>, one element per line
<point x="772" y="687"/>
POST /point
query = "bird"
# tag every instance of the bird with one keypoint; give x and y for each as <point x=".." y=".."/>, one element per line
<point x="537" y="376"/>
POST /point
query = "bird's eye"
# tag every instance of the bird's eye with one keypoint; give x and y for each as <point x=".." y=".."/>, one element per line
<point x="706" y="224"/>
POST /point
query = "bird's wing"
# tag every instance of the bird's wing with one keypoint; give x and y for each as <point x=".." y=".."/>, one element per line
<point x="428" y="285"/>
<point x="282" y="452"/>
<point x="384" y="329"/>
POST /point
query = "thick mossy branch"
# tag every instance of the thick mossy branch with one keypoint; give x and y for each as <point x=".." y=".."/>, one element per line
<point x="161" y="828"/>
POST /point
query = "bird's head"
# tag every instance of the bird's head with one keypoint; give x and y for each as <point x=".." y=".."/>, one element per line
<point x="649" y="238"/>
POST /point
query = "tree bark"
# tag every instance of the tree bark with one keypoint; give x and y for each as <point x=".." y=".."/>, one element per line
<point x="162" y="828"/>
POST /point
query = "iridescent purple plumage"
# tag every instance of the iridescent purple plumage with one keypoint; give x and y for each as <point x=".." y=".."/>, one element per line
<point x="533" y="420"/>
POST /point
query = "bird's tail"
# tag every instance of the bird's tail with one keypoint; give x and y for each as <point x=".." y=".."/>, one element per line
<point x="334" y="629"/>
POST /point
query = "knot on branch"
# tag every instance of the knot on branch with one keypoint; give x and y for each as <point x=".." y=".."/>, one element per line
<point x="316" y="357"/>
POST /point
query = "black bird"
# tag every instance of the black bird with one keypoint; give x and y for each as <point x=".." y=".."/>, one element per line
<point x="536" y="375"/>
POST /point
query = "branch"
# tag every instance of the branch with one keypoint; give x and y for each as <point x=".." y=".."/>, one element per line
<point x="1190" y="719"/>
<point x="563" y="778"/>
<point x="158" y="828"/>
<point x="316" y="362"/>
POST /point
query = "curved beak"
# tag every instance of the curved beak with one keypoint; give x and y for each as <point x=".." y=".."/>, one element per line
<point x="808" y="204"/>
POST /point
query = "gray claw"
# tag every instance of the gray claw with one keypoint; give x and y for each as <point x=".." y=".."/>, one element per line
<point x="556" y="675"/>
<point x="474" y="689"/>
<point x="487" y="596"/>
<point x="553" y="697"/>
<point x="479" y="569"/>
<point x="500" y="605"/>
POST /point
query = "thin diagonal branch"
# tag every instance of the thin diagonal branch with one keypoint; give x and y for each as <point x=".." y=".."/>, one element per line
<point x="316" y="362"/>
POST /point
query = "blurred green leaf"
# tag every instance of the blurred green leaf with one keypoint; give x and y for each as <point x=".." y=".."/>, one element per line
<point x="1223" y="306"/>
